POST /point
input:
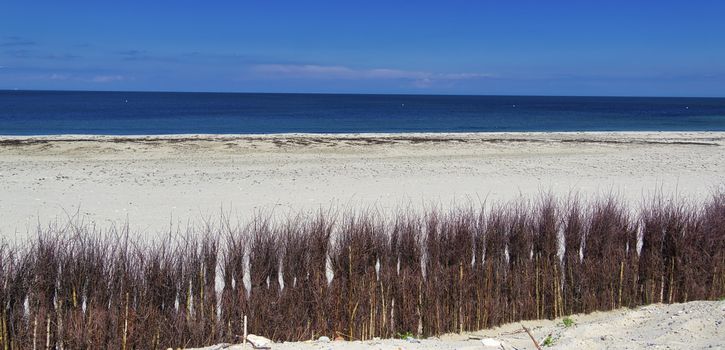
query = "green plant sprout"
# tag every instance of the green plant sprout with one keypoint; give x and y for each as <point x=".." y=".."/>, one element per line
<point x="548" y="341"/>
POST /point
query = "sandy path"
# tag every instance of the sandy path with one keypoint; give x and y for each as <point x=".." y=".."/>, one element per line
<point x="155" y="181"/>
<point x="693" y="325"/>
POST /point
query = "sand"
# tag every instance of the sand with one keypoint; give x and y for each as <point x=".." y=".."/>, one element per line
<point x="693" y="325"/>
<point x="156" y="183"/>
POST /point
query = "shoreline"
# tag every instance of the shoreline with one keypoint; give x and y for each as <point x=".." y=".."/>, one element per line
<point x="483" y="134"/>
<point x="708" y="138"/>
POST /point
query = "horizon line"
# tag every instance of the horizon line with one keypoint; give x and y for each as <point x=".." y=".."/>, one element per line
<point x="351" y="93"/>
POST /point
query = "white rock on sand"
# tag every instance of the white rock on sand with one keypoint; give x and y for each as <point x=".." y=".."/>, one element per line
<point x="259" y="342"/>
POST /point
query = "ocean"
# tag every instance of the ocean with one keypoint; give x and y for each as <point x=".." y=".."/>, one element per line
<point x="158" y="113"/>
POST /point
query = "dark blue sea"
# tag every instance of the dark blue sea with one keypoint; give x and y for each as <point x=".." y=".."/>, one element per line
<point x="135" y="113"/>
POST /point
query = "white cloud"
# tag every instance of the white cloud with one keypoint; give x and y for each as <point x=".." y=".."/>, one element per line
<point x="423" y="83"/>
<point x="77" y="77"/>
<point x="58" y="76"/>
<point x="311" y="71"/>
<point x="107" y="78"/>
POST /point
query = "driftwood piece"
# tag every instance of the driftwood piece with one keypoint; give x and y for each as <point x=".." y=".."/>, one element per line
<point x="532" y="337"/>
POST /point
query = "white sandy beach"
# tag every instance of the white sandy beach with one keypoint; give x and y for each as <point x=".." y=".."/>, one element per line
<point x="153" y="182"/>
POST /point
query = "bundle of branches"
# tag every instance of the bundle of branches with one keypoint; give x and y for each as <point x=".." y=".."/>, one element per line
<point x="357" y="275"/>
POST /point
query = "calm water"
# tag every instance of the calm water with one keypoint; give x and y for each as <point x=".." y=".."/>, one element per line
<point x="128" y="113"/>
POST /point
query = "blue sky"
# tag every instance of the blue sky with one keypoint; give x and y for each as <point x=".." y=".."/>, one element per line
<point x="643" y="48"/>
